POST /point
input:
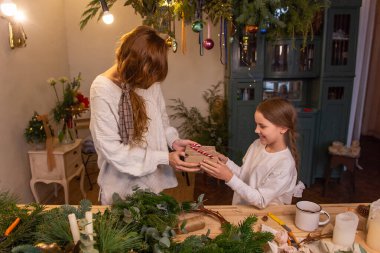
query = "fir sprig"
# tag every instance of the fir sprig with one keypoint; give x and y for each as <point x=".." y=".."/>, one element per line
<point x="114" y="236"/>
<point x="30" y="217"/>
<point x="233" y="239"/>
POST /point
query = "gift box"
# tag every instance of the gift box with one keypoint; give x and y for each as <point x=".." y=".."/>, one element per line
<point x="195" y="154"/>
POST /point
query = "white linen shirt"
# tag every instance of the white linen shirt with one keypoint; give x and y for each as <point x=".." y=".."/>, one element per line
<point x="264" y="178"/>
<point x="122" y="167"/>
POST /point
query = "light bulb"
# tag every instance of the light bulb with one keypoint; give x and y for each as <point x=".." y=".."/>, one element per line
<point x="107" y="17"/>
<point x="8" y="8"/>
<point x="20" y="16"/>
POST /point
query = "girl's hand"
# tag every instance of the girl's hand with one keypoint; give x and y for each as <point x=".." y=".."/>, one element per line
<point x="222" y="158"/>
<point x="218" y="170"/>
<point x="176" y="162"/>
<point x="180" y="145"/>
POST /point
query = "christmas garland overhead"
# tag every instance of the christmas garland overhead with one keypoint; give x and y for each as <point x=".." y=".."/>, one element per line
<point x="275" y="17"/>
<point x="143" y="222"/>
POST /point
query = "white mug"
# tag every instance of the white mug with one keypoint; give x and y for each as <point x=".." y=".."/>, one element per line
<point x="308" y="215"/>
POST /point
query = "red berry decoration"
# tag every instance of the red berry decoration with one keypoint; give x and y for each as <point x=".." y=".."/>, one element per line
<point x="208" y="44"/>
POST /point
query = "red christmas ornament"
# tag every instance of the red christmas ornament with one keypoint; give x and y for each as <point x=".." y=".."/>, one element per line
<point x="208" y="44"/>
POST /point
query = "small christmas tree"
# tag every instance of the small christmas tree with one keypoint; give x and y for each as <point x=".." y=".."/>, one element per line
<point x="35" y="132"/>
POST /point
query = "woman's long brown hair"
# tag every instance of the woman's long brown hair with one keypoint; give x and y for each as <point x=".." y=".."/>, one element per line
<point x="142" y="60"/>
<point x="282" y="113"/>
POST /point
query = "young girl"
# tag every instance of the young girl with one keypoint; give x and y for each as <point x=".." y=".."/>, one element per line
<point x="269" y="172"/>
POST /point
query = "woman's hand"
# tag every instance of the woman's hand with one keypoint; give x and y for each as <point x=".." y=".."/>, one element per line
<point x="180" y="145"/>
<point x="218" y="170"/>
<point x="176" y="162"/>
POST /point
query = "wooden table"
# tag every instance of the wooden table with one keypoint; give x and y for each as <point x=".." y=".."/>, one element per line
<point x="235" y="214"/>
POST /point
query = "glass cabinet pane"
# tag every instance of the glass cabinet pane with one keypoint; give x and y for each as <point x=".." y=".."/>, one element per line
<point x="280" y="58"/>
<point x="340" y="39"/>
<point x="248" y="51"/>
<point x="306" y="58"/>
<point x="245" y="94"/>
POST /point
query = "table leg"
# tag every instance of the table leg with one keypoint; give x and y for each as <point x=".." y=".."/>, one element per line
<point x="65" y="186"/>
<point x="82" y="182"/>
<point x="34" y="190"/>
<point x="328" y="171"/>
<point x="55" y="190"/>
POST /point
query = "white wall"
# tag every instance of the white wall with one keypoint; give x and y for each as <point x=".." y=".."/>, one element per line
<point x="23" y="75"/>
<point x="91" y="51"/>
<point x="56" y="47"/>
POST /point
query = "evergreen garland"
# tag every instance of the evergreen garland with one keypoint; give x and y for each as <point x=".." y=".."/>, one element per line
<point x="279" y="18"/>
<point x="299" y="17"/>
<point x="143" y="222"/>
<point x="233" y="239"/>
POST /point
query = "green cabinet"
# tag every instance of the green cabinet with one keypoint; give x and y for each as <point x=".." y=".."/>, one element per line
<point x="326" y="69"/>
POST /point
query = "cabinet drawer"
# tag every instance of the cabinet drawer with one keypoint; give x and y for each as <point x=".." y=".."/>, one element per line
<point x="73" y="161"/>
<point x="73" y="166"/>
<point x="73" y="155"/>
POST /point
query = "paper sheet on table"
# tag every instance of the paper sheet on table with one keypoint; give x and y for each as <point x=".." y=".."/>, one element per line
<point x="321" y="246"/>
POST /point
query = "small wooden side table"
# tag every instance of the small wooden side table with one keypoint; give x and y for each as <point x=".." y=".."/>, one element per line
<point x="69" y="165"/>
<point x="351" y="164"/>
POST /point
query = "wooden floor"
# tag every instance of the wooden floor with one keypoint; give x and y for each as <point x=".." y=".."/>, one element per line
<point x="216" y="192"/>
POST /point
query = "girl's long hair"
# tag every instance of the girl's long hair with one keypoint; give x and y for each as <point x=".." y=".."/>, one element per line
<point x="282" y="113"/>
<point x="142" y="60"/>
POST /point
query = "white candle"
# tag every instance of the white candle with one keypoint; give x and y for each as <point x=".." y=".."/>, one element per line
<point x="89" y="228"/>
<point x="345" y="228"/>
<point x="373" y="239"/>
<point x="74" y="227"/>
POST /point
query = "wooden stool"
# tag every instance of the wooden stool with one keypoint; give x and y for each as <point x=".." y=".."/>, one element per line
<point x="351" y="164"/>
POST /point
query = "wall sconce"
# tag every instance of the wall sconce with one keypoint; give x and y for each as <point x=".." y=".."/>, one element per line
<point x="9" y="12"/>
<point x="107" y="15"/>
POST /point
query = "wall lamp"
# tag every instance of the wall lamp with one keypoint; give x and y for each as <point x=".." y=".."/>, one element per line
<point x="9" y="12"/>
<point x="107" y="16"/>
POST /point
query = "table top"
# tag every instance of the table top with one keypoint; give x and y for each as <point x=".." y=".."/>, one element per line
<point x="59" y="149"/>
<point x="236" y="214"/>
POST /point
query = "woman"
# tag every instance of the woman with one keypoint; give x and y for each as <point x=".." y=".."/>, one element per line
<point x="129" y="123"/>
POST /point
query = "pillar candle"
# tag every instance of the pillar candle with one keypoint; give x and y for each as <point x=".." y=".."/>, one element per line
<point x="89" y="228"/>
<point x="345" y="228"/>
<point x="373" y="239"/>
<point x="74" y="227"/>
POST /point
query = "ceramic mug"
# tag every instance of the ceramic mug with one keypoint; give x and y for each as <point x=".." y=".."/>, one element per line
<point x="308" y="216"/>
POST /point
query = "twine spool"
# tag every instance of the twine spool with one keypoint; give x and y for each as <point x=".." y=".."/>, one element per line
<point x="192" y="224"/>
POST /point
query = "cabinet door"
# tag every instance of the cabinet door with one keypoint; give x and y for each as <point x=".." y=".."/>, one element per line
<point x="341" y="41"/>
<point x="278" y="59"/>
<point x="334" y="118"/>
<point x="247" y="57"/>
<point x="306" y="128"/>
<point x="245" y="95"/>
<point x="307" y="58"/>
